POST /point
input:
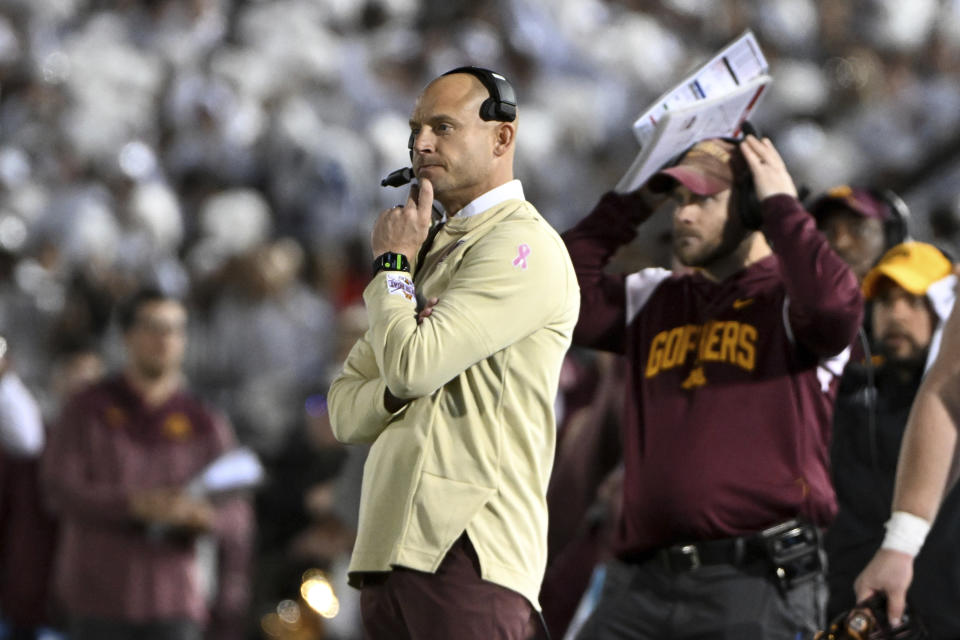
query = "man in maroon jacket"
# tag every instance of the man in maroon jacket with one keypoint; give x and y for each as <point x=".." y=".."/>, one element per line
<point x="732" y="374"/>
<point x="115" y="472"/>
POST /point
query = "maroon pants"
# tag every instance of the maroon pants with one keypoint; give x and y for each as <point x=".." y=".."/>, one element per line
<point x="451" y="604"/>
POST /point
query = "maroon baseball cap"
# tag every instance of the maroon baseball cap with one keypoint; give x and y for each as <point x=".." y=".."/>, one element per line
<point x="858" y="201"/>
<point x="708" y="167"/>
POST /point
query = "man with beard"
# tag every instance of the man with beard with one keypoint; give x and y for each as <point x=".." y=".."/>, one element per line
<point x="732" y="373"/>
<point x="911" y="293"/>
<point x="115" y="473"/>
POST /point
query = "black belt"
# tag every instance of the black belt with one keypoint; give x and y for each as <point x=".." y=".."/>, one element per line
<point x="681" y="558"/>
<point x="784" y="544"/>
<point x="792" y="552"/>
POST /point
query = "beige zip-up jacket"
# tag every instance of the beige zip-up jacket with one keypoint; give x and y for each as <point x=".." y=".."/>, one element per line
<point x="474" y="448"/>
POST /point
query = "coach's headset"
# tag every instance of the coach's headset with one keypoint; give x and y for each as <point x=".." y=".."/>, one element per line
<point x="895" y="227"/>
<point x="500" y="106"/>
<point x="744" y="190"/>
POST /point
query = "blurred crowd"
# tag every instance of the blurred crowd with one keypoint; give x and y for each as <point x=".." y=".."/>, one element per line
<point x="229" y="151"/>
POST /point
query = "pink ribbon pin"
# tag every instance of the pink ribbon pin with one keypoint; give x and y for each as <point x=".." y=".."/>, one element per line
<point x="521" y="260"/>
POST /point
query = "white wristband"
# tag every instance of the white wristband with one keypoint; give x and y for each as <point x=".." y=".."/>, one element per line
<point x="905" y="533"/>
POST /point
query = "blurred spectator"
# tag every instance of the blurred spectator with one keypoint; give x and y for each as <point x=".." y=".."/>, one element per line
<point x="265" y="339"/>
<point x="860" y="224"/>
<point x="28" y="533"/>
<point x="116" y="473"/>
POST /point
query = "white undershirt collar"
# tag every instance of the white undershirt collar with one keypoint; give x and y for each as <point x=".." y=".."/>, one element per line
<point x="508" y="191"/>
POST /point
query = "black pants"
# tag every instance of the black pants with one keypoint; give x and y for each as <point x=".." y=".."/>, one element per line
<point x="94" y="629"/>
<point x="648" y="601"/>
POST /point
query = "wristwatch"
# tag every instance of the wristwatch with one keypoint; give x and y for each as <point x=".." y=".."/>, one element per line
<point x="390" y="261"/>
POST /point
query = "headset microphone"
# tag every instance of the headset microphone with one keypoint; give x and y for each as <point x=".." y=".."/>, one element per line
<point x="403" y="176"/>
<point x="398" y="178"/>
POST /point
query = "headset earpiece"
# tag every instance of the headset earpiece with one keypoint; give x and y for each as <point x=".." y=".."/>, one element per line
<point x="895" y="227"/>
<point x="745" y="192"/>
<point x="501" y="106"/>
<point x="748" y="205"/>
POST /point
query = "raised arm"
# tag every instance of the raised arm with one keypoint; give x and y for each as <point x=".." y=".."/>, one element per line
<point x="825" y="304"/>
<point x="591" y="243"/>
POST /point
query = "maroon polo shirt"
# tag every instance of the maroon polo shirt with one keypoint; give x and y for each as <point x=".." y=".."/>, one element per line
<point x="731" y="384"/>
<point x="108" y="444"/>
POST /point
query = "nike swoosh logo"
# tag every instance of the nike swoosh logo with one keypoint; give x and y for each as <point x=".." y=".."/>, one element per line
<point x="740" y="303"/>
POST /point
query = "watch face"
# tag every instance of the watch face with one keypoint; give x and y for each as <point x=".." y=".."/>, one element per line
<point x="391" y="262"/>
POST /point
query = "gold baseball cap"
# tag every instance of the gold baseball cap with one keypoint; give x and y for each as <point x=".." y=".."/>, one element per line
<point x="911" y="265"/>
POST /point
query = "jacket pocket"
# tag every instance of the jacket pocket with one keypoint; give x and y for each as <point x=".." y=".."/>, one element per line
<point x="442" y="508"/>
